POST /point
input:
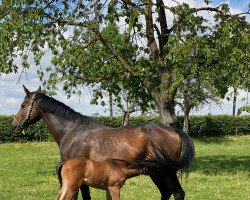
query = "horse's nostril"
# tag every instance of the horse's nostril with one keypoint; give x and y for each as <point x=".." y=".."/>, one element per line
<point x="14" y="125"/>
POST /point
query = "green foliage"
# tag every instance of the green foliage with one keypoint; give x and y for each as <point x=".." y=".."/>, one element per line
<point x="116" y="122"/>
<point x="203" y="126"/>
<point x="200" y="126"/>
<point x="243" y="109"/>
<point x="36" y="132"/>
<point x="231" y="50"/>
<point x="90" y="49"/>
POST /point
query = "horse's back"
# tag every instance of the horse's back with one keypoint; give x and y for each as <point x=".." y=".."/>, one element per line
<point x="126" y="143"/>
<point x="138" y="139"/>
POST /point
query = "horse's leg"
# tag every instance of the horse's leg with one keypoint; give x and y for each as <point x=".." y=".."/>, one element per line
<point x="85" y="192"/>
<point x="114" y="192"/>
<point x="175" y="186"/>
<point x="161" y="184"/>
<point x="108" y="195"/>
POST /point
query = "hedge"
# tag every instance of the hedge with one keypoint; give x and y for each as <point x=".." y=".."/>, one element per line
<point x="200" y="126"/>
<point x="36" y="132"/>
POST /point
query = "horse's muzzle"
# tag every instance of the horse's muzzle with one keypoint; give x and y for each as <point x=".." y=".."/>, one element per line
<point x="16" y="127"/>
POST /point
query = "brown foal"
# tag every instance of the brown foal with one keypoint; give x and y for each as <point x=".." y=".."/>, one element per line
<point x="109" y="175"/>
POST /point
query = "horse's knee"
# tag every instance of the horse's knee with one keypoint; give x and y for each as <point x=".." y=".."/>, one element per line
<point x="175" y="186"/>
<point x="179" y="195"/>
<point x="178" y="192"/>
<point x="161" y="184"/>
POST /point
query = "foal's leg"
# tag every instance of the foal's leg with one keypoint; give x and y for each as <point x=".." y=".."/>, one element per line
<point x="114" y="193"/>
<point x="175" y="186"/>
<point x="75" y="197"/>
<point x="161" y="184"/>
<point x="85" y="192"/>
<point x="66" y="193"/>
<point x="58" y="171"/>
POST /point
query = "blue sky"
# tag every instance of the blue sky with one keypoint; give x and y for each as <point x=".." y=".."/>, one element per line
<point x="241" y="4"/>
<point x="11" y="91"/>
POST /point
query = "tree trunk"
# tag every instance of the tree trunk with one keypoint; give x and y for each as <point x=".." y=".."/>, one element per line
<point x="186" y="120"/>
<point x="111" y="105"/>
<point x="187" y="105"/>
<point x="166" y="106"/>
<point x="126" y="116"/>
<point x="234" y="101"/>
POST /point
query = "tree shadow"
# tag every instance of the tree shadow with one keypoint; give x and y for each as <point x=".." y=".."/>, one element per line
<point x="212" y="140"/>
<point x="220" y="139"/>
<point x="219" y="164"/>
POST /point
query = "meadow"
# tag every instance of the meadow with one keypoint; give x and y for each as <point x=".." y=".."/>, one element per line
<point x="221" y="170"/>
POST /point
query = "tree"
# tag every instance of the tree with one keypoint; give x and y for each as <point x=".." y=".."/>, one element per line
<point x="244" y="108"/>
<point x="154" y="71"/>
<point x="234" y="71"/>
<point x="195" y="95"/>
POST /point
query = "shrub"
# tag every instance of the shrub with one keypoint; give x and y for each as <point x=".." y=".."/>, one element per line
<point x="36" y="132"/>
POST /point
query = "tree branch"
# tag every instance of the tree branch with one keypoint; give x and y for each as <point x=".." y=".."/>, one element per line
<point x="163" y="37"/>
<point x="195" y="10"/>
<point x="48" y="4"/>
<point x="150" y="33"/>
<point x="159" y="36"/>
<point x="124" y="63"/>
<point x="119" y="57"/>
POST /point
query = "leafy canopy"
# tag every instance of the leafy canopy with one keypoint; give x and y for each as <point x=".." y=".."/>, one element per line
<point x="127" y="45"/>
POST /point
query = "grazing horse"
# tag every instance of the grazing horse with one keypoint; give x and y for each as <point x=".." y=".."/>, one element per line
<point x="109" y="175"/>
<point x="81" y="136"/>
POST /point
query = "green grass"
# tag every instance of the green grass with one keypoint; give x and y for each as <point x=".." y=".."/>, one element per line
<point x="220" y="171"/>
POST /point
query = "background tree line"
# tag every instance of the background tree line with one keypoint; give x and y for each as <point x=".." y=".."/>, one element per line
<point x="199" y="127"/>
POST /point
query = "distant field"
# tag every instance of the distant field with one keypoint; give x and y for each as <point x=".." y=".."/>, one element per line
<point x="221" y="171"/>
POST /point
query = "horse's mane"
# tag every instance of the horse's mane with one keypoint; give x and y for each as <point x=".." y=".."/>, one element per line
<point x="51" y="105"/>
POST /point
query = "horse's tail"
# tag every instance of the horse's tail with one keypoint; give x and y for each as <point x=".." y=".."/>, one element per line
<point x="160" y="162"/>
<point x="58" y="171"/>
<point x="187" y="152"/>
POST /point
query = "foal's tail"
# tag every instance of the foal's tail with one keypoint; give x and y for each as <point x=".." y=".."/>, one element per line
<point x="160" y="162"/>
<point x="58" y="171"/>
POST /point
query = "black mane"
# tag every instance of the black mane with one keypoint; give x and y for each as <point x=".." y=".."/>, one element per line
<point x="51" y="105"/>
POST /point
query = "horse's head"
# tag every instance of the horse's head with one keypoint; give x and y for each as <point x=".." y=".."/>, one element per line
<point x="28" y="113"/>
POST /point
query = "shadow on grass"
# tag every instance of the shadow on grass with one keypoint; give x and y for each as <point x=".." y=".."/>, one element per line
<point x="223" y="139"/>
<point x="221" y="164"/>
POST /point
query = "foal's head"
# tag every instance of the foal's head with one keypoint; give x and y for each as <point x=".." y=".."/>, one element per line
<point x="28" y="113"/>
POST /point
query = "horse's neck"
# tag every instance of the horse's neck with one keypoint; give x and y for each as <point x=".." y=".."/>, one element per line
<point x="55" y="126"/>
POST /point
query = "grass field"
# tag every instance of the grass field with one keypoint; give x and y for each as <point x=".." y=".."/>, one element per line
<point x="221" y="171"/>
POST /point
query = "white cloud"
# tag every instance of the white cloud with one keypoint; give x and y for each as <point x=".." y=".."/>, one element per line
<point x="12" y="101"/>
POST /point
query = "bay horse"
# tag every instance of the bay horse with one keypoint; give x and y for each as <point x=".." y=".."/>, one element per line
<point x="81" y="136"/>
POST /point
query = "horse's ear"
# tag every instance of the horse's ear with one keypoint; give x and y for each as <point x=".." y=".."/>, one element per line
<point x="39" y="89"/>
<point x="26" y="91"/>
